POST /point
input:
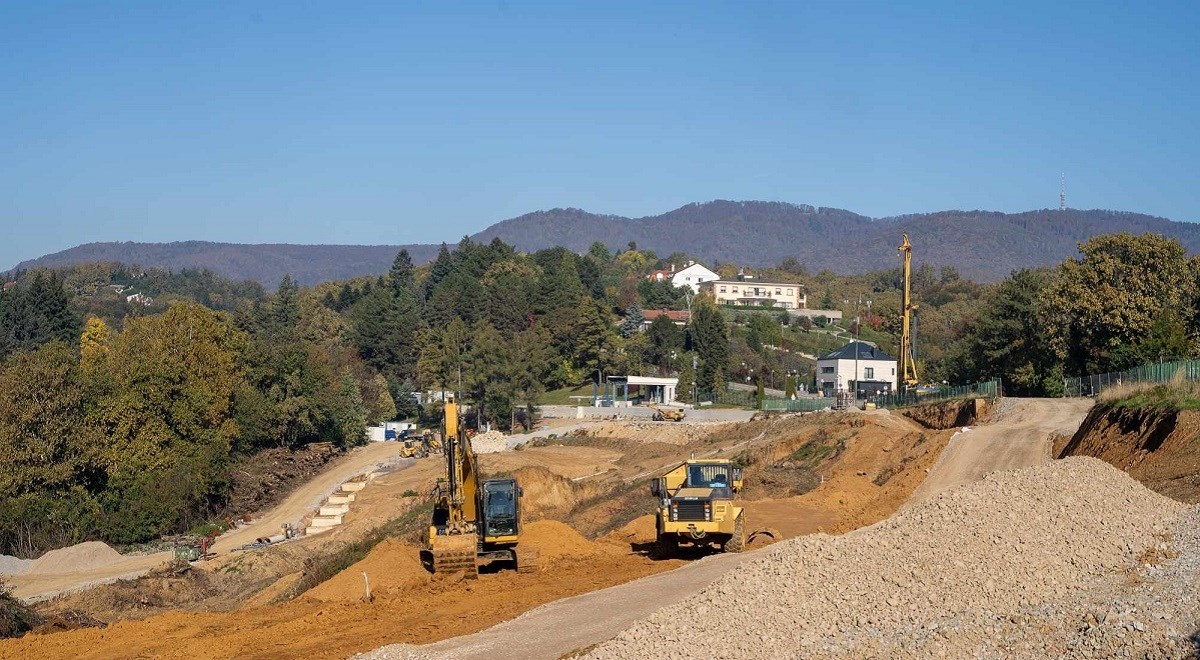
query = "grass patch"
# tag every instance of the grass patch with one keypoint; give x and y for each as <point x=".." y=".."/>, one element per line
<point x="1176" y="394"/>
<point x="562" y="397"/>
<point x="820" y="448"/>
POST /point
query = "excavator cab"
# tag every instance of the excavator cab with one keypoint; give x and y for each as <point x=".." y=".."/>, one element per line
<point x="500" y="498"/>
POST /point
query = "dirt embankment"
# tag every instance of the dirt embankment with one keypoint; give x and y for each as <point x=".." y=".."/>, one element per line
<point x="1156" y="447"/>
<point x="950" y="414"/>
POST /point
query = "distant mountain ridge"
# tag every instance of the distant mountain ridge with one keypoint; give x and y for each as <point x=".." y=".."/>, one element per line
<point x="983" y="245"/>
<point x="266" y="263"/>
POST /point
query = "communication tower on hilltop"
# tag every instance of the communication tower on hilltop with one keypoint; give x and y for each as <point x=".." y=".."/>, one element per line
<point x="1062" y="194"/>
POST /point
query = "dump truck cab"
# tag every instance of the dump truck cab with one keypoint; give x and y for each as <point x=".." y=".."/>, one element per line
<point x="696" y="506"/>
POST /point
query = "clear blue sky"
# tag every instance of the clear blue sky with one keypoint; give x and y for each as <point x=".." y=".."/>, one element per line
<point x="420" y="122"/>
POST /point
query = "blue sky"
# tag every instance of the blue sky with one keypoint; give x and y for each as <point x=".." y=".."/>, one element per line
<point x="420" y="122"/>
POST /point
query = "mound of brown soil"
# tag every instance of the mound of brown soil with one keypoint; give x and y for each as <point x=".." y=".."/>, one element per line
<point x="554" y="540"/>
<point x="638" y="530"/>
<point x="546" y="495"/>
<point x="392" y="567"/>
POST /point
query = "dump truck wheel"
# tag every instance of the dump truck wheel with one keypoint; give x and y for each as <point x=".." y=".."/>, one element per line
<point x="667" y="546"/>
<point x="738" y="542"/>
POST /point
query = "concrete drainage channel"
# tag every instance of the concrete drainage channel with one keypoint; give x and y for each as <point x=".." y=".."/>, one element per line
<point x="337" y="505"/>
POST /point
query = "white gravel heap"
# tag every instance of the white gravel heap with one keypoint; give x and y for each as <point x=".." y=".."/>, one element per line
<point x="489" y="443"/>
<point x="12" y="565"/>
<point x="1009" y="566"/>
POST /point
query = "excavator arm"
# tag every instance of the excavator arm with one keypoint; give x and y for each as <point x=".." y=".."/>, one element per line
<point x="453" y="541"/>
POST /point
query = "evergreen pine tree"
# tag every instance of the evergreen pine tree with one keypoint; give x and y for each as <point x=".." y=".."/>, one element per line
<point x="633" y="321"/>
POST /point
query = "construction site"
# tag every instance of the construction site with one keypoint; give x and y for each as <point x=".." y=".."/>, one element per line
<point x="860" y="534"/>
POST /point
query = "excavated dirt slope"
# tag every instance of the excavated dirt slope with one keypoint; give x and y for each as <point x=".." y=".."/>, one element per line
<point x="1007" y="566"/>
<point x="1156" y="447"/>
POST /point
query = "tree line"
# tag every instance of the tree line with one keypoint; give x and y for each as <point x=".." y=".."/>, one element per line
<point x="122" y="422"/>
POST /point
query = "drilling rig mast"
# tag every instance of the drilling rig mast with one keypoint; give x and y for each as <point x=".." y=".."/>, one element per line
<point x="908" y="365"/>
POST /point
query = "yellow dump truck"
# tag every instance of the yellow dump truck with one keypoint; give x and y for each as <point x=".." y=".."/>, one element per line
<point x="695" y="506"/>
<point x="667" y="414"/>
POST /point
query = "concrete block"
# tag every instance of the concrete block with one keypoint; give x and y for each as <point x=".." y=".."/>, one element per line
<point x="334" y="510"/>
<point x="341" y="498"/>
<point x="326" y="521"/>
<point x="353" y="486"/>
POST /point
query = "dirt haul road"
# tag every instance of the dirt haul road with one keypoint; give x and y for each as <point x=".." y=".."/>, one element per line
<point x="1018" y="437"/>
<point x="39" y="586"/>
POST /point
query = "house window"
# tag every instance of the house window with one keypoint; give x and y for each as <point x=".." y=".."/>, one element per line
<point x="869" y="372"/>
<point x="779" y="292"/>
<point x="735" y="289"/>
<point x="722" y="289"/>
<point x="893" y="371"/>
<point x="826" y="370"/>
<point x="789" y="292"/>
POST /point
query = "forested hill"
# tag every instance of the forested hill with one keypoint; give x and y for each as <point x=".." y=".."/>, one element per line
<point x="265" y="263"/>
<point x="983" y="245"/>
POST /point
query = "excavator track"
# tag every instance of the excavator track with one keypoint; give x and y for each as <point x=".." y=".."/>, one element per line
<point x="455" y="554"/>
<point x="527" y="561"/>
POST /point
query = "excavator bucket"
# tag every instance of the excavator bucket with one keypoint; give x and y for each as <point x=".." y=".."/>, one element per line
<point x="455" y="553"/>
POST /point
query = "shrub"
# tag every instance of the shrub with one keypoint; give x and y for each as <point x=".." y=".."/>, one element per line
<point x="16" y="618"/>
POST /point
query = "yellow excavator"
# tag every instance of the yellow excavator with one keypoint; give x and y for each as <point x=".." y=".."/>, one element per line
<point x="475" y="521"/>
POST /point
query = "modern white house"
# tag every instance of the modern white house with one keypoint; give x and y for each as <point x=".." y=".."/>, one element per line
<point x="692" y="275"/>
<point x="876" y="371"/>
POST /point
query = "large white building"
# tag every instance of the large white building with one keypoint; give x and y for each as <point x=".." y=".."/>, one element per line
<point x="876" y="371"/>
<point x="745" y="290"/>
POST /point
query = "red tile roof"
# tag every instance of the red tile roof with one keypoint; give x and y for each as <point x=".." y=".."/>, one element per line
<point x="676" y="315"/>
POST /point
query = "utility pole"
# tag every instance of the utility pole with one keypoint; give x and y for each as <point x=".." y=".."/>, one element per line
<point x="695" y="374"/>
<point x="857" y="327"/>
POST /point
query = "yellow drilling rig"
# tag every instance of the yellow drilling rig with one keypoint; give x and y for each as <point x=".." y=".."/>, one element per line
<point x="908" y="365"/>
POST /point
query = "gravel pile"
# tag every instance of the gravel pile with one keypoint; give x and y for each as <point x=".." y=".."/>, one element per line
<point x="489" y="443"/>
<point x="75" y="558"/>
<point x="10" y="565"/>
<point x="1010" y="566"/>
